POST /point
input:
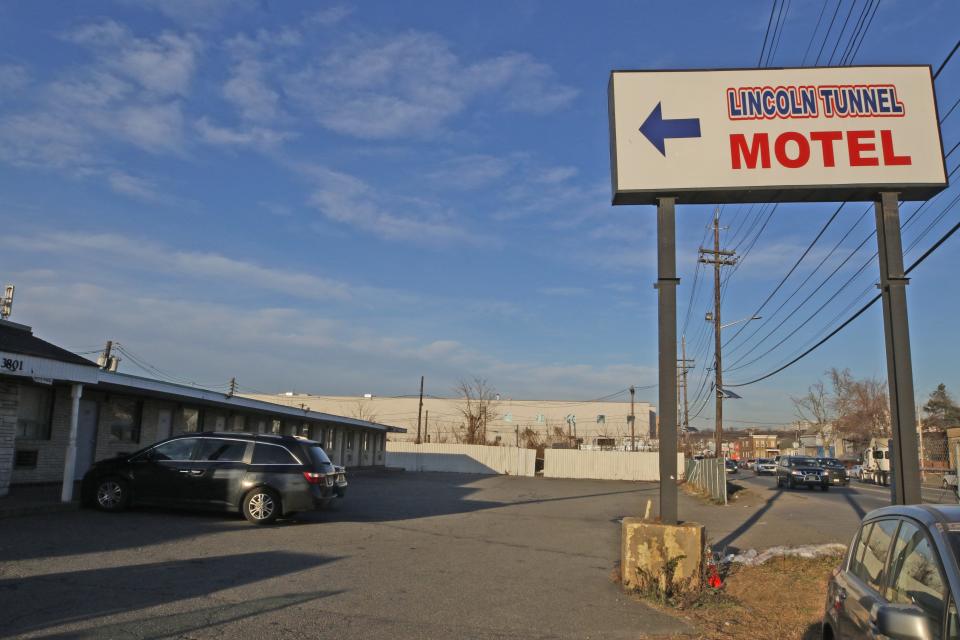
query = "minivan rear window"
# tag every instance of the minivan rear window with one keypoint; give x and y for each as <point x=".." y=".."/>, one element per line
<point x="319" y="456"/>
<point x="272" y="454"/>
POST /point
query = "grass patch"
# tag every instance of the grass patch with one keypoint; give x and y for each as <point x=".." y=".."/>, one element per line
<point x="782" y="599"/>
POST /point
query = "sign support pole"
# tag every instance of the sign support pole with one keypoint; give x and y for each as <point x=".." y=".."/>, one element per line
<point x="904" y="465"/>
<point x="667" y="320"/>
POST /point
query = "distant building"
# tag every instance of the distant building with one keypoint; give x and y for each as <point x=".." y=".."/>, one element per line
<point x="756" y="445"/>
<point x="600" y="425"/>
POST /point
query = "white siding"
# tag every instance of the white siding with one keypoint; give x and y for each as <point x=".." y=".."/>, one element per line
<point x="604" y="465"/>
<point x="461" y="458"/>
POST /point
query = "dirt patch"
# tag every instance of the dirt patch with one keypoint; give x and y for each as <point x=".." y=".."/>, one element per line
<point x="782" y="599"/>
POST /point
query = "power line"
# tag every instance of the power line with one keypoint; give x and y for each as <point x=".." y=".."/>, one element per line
<point x="842" y="29"/>
<point x="946" y="60"/>
<point x="813" y="35"/>
<point x="826" y="36"/>
<point x="916" y="263"/>
<point x="767" y="33"/>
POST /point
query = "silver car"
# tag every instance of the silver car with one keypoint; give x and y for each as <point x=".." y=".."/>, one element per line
<point x="899" y="578"/>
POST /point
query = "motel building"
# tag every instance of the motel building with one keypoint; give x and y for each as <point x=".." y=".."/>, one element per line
<point x="60" y="412"/>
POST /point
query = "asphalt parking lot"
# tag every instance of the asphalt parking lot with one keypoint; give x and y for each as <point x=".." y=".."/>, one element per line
<point x="406" y="555"/>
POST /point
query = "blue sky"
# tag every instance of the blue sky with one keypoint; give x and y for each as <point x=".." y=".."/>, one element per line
<point x="339" y="198"/>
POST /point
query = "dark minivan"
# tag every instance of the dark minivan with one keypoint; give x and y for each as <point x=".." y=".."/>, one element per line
<point x="261" y="476"/>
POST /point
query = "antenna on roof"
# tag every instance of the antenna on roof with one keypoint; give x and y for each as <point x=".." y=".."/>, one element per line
<point x="6" y="304"/>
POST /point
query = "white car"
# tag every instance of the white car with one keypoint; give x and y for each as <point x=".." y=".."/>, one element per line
<point x="856" y="471"/>
<point x="764" y="466"/>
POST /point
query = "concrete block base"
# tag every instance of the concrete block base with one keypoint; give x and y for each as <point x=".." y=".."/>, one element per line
<point x="659" y="558"/>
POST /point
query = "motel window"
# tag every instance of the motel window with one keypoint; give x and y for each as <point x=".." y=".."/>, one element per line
<point x="275" y="427"/>
<point x="349" y="436"/>
<point x="35" y="413"/>
<point x="365" y="442"/>
<point x="123" y="419"/>
<point x="189" y="420"/>
<point x="239" y="423"/>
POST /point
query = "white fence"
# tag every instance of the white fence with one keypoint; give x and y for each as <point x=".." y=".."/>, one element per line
<point x="604" y="465"/>
<point x="461" y="458"/>
<point x="710" y="475"/>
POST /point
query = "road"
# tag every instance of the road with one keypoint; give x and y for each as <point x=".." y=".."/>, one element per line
<point x="763" y="515"/>
<point x="406" y="556"/>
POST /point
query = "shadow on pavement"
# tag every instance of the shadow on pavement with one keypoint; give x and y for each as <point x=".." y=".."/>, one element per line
<point x="42" y="536"/>
<point x="426" y="495"/>
<point x="859" y="510"/>
<point x="724" y="544"/>
<point x="179" y="624"/>
<point x="40" y="602"/>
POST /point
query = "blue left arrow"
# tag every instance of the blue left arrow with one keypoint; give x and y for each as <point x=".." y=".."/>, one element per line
<point x="656" y="129"/>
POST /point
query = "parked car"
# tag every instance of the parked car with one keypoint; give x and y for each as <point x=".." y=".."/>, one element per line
<point x="798" y="471"/>
<point x="856" y="471"/>
<point x="764" y="466"/>
<point x="261" y="476"/>
<point x="731" y="466"/>
<point x="838" y="472"/>
<point x="899" y="578"/>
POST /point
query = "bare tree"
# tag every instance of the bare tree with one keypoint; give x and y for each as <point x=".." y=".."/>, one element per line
<point x="362" y="410"/>
<point x="861" y="407"/>
<point x="814" y="407"/>
<point x="477" y="408"/>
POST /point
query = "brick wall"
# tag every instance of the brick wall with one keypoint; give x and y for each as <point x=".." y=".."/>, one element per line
<point x="50" y="453"/>
<point x="9" y="393"/>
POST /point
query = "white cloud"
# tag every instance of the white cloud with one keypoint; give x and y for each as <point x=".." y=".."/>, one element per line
<point x="194" y="13"/>
<point x="412" y="83"/>
<point x="44" y="140"/>
<point x="153" y="127"/>
<point x="163" y="65"/>
<point x="348" y="200"/>
<point x="254" y="136"/>
<point x="133" y="186"/>
<point x="13" y="77"/>
<point x="203" y="265"/>
<point x="471" y="171"/>
<point x="329" y="16"/>
<point x="563" y="291"/>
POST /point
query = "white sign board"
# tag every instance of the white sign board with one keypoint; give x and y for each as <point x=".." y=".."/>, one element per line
<point x="774" y="135"/>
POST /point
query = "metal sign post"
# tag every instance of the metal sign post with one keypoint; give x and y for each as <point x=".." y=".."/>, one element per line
<point x="904" y="464"/>
<point x="667" y="326"/>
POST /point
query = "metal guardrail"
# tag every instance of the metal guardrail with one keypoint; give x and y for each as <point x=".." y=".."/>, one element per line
<point x="709" y="475"/>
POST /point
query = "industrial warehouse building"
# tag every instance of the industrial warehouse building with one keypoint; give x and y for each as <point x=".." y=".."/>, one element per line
<point x="595" y="424"/>
<point x="60" y="412"/>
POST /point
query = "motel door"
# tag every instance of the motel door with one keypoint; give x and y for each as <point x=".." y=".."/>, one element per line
<point x="86" y="436"/>
<point x="164" y="422"/>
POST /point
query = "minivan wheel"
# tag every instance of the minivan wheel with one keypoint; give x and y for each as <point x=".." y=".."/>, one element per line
<point x="111" y="494"/>
<point x="261" y="506"/>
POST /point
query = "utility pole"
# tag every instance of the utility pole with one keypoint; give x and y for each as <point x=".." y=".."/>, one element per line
<point x="6" y="304"/>
<point x="420" y="411"/>
<point x="426" y="425"/>
<point x="685" y="366"/>
<point x="233" y="388"/>
<point x="718" y="258"/>
<point x="106" y="361"/>
<point x="633" y="421"/>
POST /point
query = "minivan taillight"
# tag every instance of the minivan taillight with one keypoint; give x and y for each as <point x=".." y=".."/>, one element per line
<point x="314" y="478"/>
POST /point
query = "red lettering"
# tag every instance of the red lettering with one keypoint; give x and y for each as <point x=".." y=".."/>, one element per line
<point x="803" y="150"/>
<point x="856" y="149"/>
<point x="759" y="149"/>
<point x="826" y="140"/>
<point x="889" y="157"/>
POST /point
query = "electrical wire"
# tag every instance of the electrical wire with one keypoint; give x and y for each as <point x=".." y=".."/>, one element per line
<point x="916" y="263"/>
<point x="813" y="35"/>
